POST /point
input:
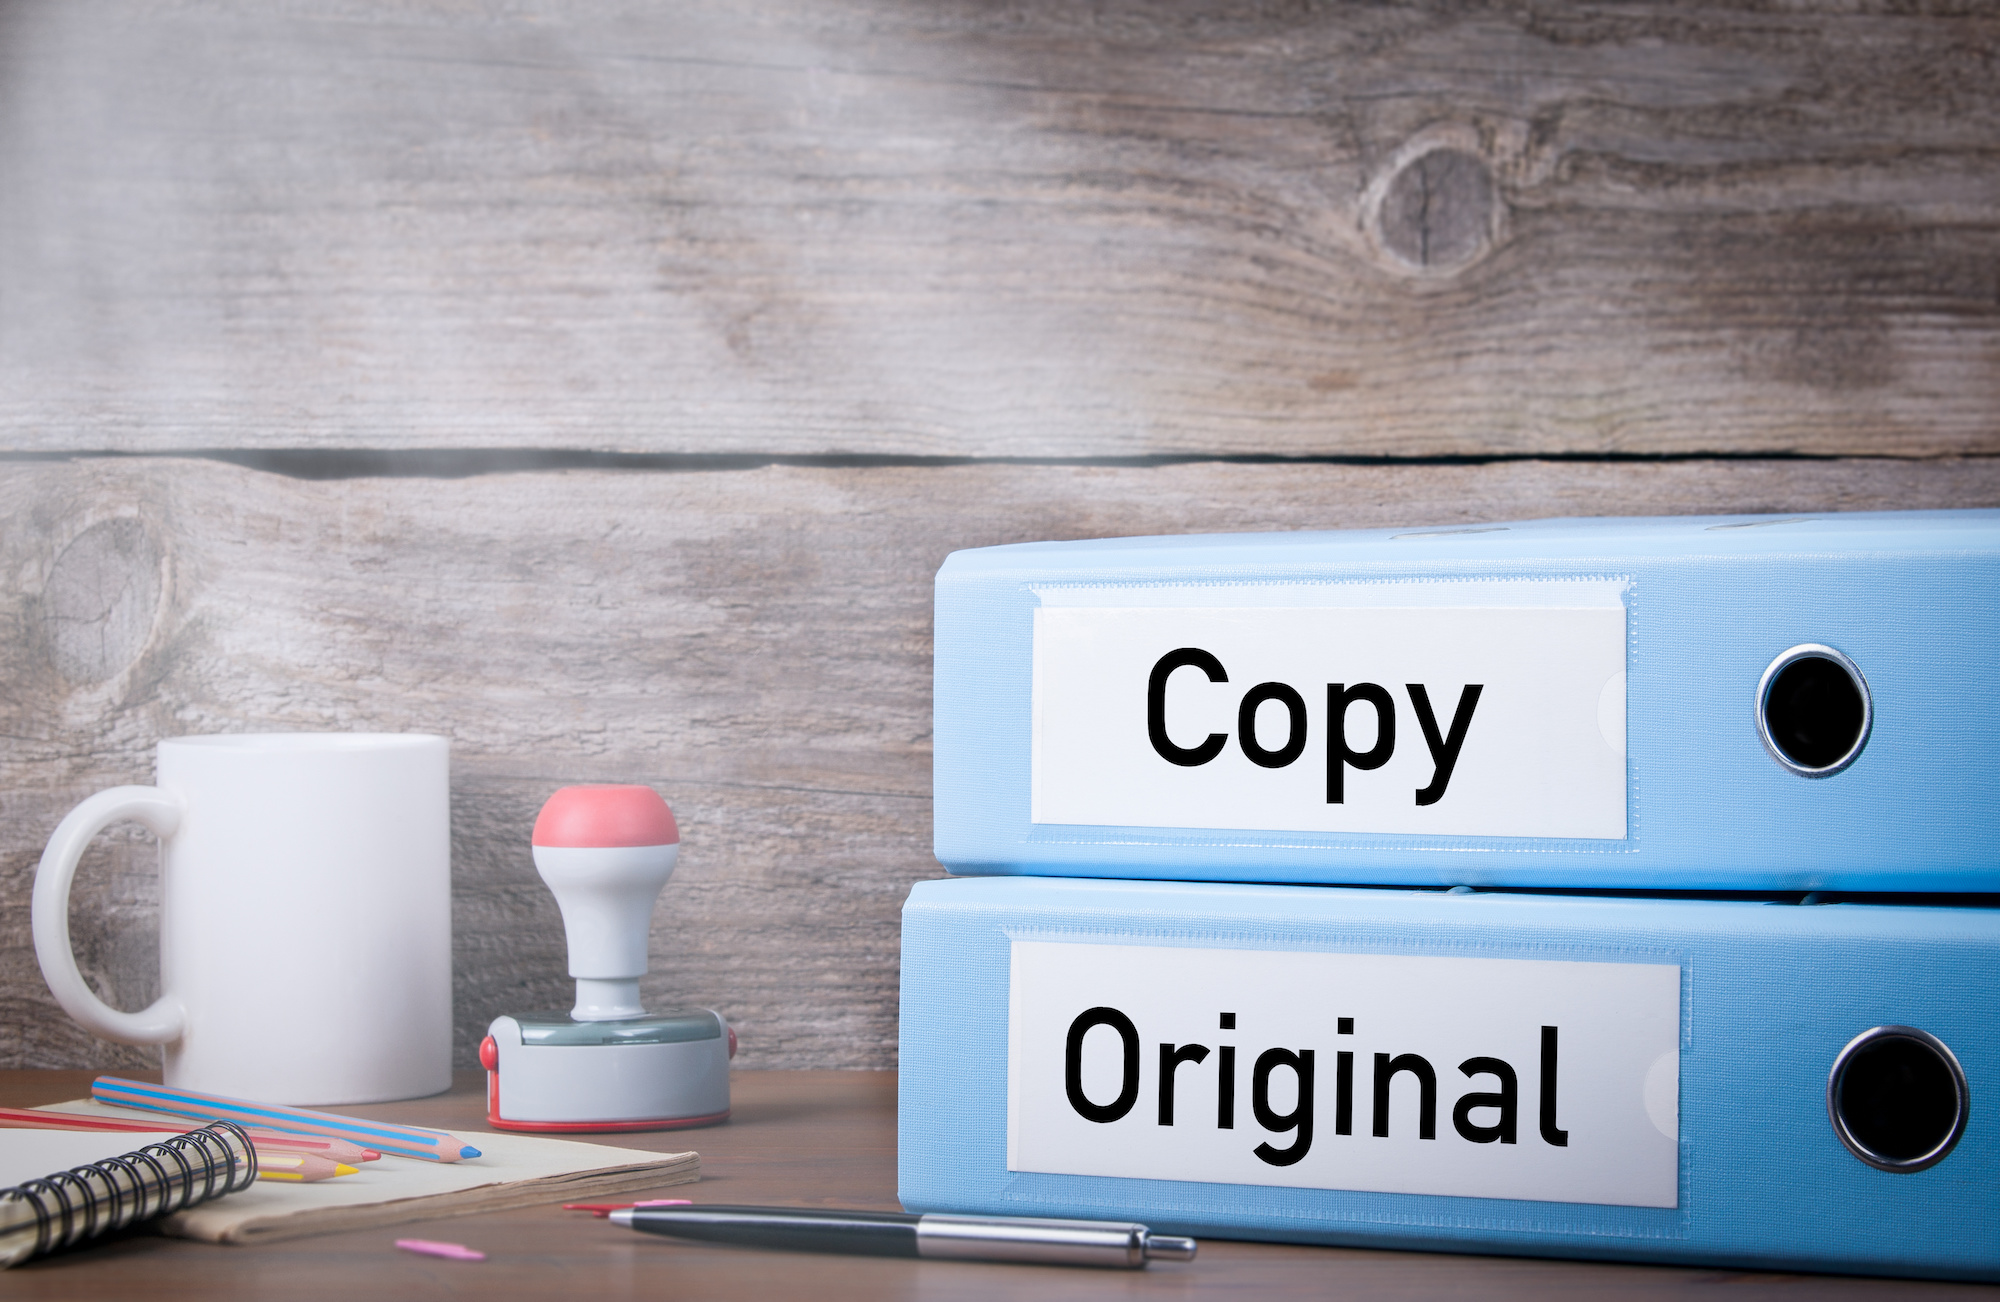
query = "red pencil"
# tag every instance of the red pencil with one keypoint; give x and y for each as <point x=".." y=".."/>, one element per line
<point x="338" y="1150"/>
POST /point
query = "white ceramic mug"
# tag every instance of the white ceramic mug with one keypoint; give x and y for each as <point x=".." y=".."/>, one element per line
<point x="305" y="915"/>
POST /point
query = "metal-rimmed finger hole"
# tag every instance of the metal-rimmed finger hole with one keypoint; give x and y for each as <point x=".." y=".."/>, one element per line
<point x="1898" y="1098"/>
<point x="1814" y="710"/>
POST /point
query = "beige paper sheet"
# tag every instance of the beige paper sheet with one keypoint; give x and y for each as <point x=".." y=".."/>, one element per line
<point x="512" y="1171"/>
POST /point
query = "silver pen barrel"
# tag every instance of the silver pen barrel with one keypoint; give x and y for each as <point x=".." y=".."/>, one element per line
<point x="1123" y="1245"/>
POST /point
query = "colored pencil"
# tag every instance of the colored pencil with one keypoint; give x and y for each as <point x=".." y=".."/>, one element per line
<point x="300" y="1168"/>
<point x="37" y="1119"/>
<point x="385" y="1136"/>
<point x="338" y="1150"/>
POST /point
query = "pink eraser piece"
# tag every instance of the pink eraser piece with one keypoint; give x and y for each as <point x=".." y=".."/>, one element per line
<point x="433" y="1248"/>
<point x="606" y="816"/>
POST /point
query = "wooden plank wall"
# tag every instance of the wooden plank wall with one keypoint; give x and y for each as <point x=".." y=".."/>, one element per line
<point x="600" y="385"/>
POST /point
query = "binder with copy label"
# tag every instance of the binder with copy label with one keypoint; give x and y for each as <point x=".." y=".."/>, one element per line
<point x="1770" y="703"/>
<point x="1707" y="1081"/>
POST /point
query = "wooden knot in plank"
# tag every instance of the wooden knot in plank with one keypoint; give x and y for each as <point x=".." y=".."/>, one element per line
<point x="1436" y="213"/>
<point x="101" y="600"/>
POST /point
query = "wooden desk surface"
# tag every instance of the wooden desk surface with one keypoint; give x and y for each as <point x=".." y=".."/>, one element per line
<point x="807" y="1138"/>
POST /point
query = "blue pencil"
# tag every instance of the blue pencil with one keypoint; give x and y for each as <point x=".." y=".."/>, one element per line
<point x="403" y="1141"/>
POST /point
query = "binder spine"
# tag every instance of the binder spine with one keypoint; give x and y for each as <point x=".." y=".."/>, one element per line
<point x="1791" y="710"/>
<point x="64" y="1209"/>
<point x="1818" y="1097"/>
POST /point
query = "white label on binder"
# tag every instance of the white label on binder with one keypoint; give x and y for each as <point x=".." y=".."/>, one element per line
<point x="1417" y="709"/>
<point x="1468" y="1077"/>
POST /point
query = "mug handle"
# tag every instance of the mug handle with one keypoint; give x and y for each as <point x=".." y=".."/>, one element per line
<point x="162" y="1020"/>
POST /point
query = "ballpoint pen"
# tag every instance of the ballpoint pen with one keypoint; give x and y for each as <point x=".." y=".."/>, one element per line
<point x="1120" y="1244"/>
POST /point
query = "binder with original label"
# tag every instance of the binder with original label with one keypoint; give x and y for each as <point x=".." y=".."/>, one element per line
<point x="1652" y="1079"/>
<point x="1772" y="703"/>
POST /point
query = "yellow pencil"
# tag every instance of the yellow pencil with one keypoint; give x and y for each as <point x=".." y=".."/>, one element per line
<point x="300" y="1168"/>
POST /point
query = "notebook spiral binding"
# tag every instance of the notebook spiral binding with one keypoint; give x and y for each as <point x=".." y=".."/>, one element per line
<point x="69" y="1207"/>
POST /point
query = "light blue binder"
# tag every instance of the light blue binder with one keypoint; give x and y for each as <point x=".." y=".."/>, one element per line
<point x="1905" y="606"/>
<point x="1762" y="1000"/>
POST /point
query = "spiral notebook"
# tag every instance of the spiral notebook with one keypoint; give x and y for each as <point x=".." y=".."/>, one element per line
<point x="62" y="1188"/>
<point x="512" y="1171"/>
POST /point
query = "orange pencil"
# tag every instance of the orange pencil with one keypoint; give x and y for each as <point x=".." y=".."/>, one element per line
<point x="299" y="1167"/>
<point x="338" y="1150"/>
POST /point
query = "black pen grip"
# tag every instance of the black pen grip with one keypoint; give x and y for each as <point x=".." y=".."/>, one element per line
<point x="803" y="1229"/>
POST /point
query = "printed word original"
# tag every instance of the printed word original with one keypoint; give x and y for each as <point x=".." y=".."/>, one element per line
<point x="1480" y="1116"/>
